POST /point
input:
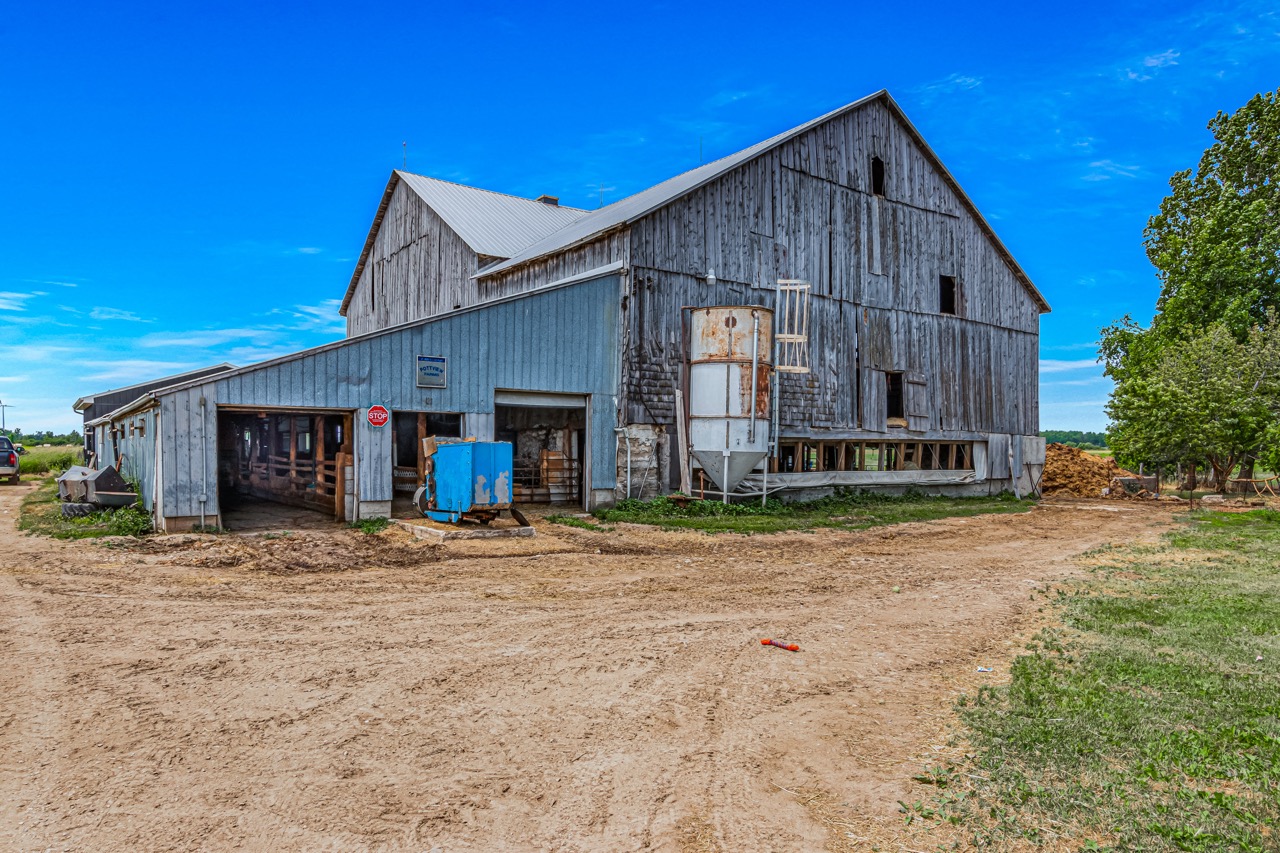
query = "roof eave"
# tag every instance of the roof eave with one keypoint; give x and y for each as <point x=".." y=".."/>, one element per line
<point x="1018" y="271"/>
<point x="782" y="139"/>
<point x="143" y="403"/>
<point x="368" y="241"/>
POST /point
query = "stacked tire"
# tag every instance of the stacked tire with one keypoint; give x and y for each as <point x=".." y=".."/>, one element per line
<point x="77" y="510"/>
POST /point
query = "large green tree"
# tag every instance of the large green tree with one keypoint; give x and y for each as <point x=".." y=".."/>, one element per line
<point x="1216" y="240"/>
<point x="1182" y="393"/>
<point x="1204" y="399"/>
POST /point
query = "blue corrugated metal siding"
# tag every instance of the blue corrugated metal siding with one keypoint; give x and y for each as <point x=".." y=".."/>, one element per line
<point x="563" y="340"/>
<point x="137" y="451"/>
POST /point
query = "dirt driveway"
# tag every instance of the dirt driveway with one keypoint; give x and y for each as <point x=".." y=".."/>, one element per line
<point x="574" y="691"/>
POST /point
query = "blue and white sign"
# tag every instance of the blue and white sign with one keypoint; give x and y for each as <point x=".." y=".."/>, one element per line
<point x="433" y="371"/>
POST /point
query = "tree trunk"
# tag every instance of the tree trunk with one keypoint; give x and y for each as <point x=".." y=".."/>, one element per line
<point x="1246" y="467"/>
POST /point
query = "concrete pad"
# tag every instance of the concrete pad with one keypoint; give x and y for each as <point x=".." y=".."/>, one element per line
<point x="427" y="529"/>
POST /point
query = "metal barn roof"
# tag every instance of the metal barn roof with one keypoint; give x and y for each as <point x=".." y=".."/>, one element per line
<point x="490" y="223"/>
<point x="641" y="204"/>
<point x="87" y="400"/>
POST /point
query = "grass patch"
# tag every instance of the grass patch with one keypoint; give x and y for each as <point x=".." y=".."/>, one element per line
<point x="574" y="521"/>
<point x="370" y="526"/>
<point x="1152" y="720"/>
<point x="39" y="461"/>
<point x="41" y="513"/>
<point x="845" y="510"/>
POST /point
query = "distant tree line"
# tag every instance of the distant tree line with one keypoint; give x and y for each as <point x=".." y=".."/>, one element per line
<point x="1076" y="438"/>
<point x="42" y="437"/>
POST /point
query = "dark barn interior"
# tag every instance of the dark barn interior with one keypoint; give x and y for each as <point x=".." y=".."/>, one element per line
<point x="297" y="458"/>
<point x="548" y="448"/>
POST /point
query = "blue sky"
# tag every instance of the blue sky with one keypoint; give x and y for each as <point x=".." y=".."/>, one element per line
<point x="184" y="185"/>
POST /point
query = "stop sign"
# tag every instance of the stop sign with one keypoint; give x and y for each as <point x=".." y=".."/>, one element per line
<point x="378" y="416"/>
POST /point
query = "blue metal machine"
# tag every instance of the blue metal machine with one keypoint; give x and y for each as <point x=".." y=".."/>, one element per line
<point x="467" y="479"/>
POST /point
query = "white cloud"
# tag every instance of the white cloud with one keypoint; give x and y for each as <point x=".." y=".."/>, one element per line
<point x="1105" y="170"/>
<point x="253" y="355"/>
<point x="203" y="337"/>
<point x="1089" y="345"/>
<point x="117" y="314"/>
<point x="1162" y="60"/>
<point x="309" y="250"/>
<point x="1055" y="365"/>
<point x="32" y="353"/>
<point x="13" y="301"/>
<point x="1073" y="414"/>
<point x="950" y="85"/>
<point x="54" y="282"/>
<point x="1074" y="383"/>
<point x="130" y="370"/>
<point x="323" y="317"/>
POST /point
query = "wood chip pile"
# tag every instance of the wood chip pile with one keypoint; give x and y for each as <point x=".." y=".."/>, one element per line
<point x="1070" y="471"/>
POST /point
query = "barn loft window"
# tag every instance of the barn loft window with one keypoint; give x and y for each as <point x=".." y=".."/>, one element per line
<point x="877" y="176"/>
<point x="895" y="411"/>
<point x="947" y="294"/>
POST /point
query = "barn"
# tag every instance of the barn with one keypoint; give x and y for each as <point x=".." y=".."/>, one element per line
<point x="913" y="357"/>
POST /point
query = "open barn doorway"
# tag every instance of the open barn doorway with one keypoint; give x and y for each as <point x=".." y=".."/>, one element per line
<point x="272" y="460"/>
<point x="548" y="435"/>
<point x="408" y="464"/>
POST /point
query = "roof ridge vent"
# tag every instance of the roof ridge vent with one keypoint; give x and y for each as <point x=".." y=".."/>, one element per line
<point x="554" y="201"/>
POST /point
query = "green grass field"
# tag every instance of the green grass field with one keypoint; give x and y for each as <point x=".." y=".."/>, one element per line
<point x="1151" y="721"/>
<point x="38" y="461"/>
<point x="842" y="511"/>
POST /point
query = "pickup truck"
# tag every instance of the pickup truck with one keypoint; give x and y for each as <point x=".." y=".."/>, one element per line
<point x="8" y="461"/>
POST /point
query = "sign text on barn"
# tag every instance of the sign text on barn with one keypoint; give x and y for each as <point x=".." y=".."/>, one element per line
<point x="378" y="416"/>
<point x="433" y="371"/>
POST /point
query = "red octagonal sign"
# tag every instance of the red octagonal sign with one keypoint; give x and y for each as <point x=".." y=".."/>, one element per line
<point x="378" y="415"/>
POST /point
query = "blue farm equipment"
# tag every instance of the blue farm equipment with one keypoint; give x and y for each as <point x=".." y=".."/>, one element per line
<point x="466" y="480"/>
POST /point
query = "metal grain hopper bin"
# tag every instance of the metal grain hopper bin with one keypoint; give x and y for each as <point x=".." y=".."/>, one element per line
<point x="466" y="479"/>
<point x="730" y="369"/>
<point x="103" y="487"/>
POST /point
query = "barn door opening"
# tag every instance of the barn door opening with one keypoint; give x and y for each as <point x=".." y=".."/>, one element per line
<point x="549" y="440"/>
<point x="272" y="459"/>
<point x="408" y="464"/>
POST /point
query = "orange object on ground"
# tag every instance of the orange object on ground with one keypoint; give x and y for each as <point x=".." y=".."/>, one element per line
<point x="791" y="647"/>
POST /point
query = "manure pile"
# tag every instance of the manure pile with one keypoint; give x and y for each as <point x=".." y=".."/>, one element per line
<point x="1070" y="471"/>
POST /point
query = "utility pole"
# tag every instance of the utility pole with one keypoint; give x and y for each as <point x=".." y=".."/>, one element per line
<point x="3" y="406"/>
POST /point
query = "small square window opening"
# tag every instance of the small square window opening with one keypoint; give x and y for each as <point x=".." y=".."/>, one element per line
<point x="877" y="176"/>
<point x="894" y="408"/>
<point x="947" y="294"/>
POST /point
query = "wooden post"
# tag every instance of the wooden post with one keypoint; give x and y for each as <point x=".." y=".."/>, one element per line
<point x="682" y="427"/>
<point x="317" y="455"/>
<point x="340" y="486"/>
<point x="422" y="460"/>
<point x="293" y="452"/>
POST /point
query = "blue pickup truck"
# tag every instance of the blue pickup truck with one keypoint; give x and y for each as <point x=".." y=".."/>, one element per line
<point x="8" y="461"/>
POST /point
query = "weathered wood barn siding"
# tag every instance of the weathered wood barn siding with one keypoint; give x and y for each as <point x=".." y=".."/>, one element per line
<point x="805" y="210"/>
<point x="563" y="340"/>
<point x="136" y="444"/>
<point x="417" y="267"/>
<point x="604" y="250"/>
